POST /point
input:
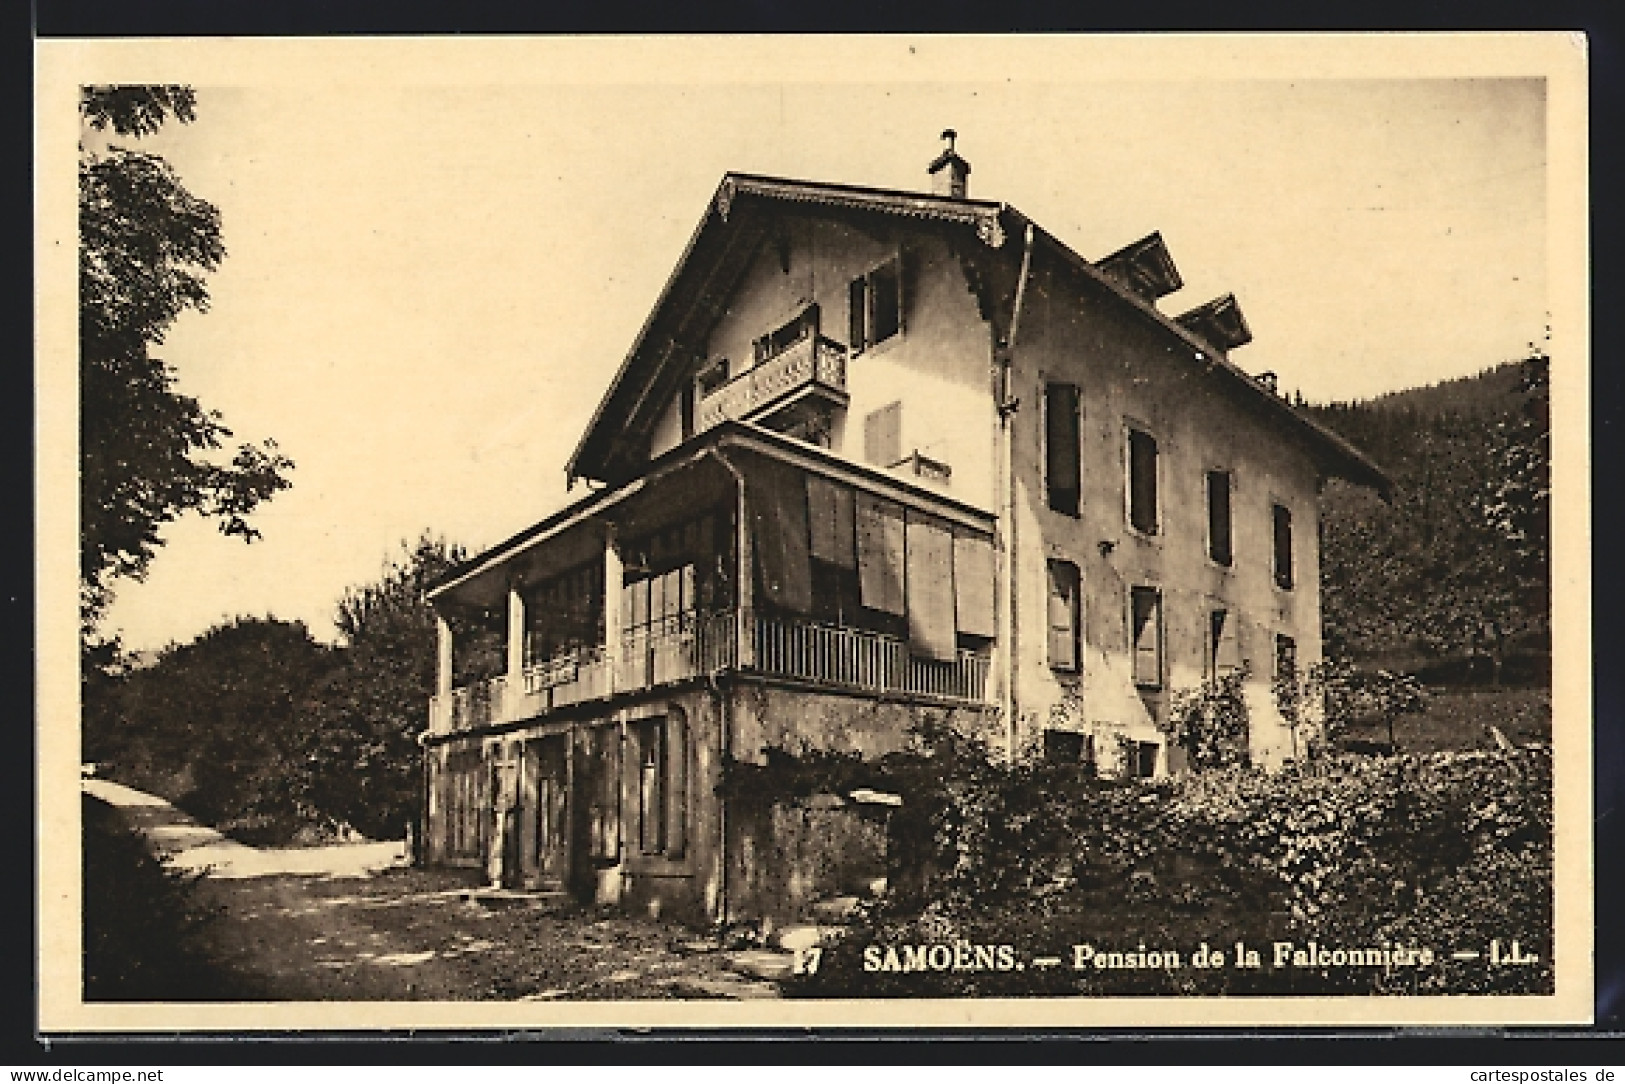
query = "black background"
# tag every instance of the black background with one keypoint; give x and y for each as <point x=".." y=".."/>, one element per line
<point x="1579" y="1048"/>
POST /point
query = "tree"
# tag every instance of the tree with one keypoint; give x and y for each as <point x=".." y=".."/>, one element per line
<point x="219" y="726"/>
<point x="145" y="244"/>
<point x="363" y="759"/>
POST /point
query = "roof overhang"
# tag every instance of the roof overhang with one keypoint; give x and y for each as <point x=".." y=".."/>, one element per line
<point x="480" y="580"/>
<point x="735" y="223"/>
<point x="718" y="252"/>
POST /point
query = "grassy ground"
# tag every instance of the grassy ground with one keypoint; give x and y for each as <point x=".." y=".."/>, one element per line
<point x="1460" y="719"/>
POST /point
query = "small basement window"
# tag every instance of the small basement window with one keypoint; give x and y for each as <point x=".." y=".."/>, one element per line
<point x="1066" y="747"/>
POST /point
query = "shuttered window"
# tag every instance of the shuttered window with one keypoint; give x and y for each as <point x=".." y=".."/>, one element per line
<point x="1065" y="611"/>
<point x="1142" y="481"/>
<point x="875" y="306"/>
<point x="1145" y="605"/>
<point x="883" y="435"/>
<point x="1286" y="658"/>
<point x="1282" y="523"/>
<point x="1062" y="460"/>
<point x="1218" y="516"/>
<point x="1223" y="644"/>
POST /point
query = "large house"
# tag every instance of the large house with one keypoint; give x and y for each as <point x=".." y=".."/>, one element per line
<point x="875" y="457"/>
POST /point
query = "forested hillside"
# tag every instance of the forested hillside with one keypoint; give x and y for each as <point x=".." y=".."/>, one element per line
<point x="1451" y="577"/>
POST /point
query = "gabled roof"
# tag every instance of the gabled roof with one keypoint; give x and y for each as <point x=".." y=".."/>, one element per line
<point x="737" y="220"/>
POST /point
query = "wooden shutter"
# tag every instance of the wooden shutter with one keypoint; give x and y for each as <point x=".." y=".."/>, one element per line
<point x="829" y="510"/>
<point x="1286" y="657"/>
<point x="1224" y="643"/>
<point x="973" y="584"/>
<point x="1064" y="611"/>
<point x="1062" y="464"/>
<point x="880" y="554"/>
<point x="886" y="302"/>
<point x="930" y="588"/>
<point x="1218" y="516"/>
<point x="883" y="435"/>
<point x="676" y="785"/>
<point x="1147" y="617"/>
<point x="857" y="314"/>
<point x="651" y="769"/>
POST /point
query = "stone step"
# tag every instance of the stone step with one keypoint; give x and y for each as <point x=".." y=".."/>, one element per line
<point x="797" y="938"/>
<point x="555" y="899"/>
<point x="836" y="909"/>
<point x="867" y="887"/>
<point x="765" y="964"/>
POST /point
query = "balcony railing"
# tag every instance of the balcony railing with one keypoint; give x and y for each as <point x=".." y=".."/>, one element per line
<point x="813" y="361"/>
<point x="871" y="661"/>
<point x="691" y="645"/>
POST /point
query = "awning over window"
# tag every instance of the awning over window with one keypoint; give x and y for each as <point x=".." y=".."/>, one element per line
<point x="930" y="587"/>
<point x="830" y="514"/>
<point x="881" y="546"/>
<point x="778" y="508"/>
<point x="973" y="584"/>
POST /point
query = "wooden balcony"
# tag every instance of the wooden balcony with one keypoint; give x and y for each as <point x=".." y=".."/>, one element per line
<point x="811" y="367"/>
<point x="691" y="645"/>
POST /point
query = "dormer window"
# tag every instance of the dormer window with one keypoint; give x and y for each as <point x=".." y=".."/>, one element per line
<point x="875" y="306"/>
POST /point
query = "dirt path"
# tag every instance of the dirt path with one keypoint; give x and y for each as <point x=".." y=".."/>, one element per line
<point x="409" y="934"/>
<point x="351" y="922"/>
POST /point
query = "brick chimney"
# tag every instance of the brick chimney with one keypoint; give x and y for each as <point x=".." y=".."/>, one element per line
<point x="949" y="172"/>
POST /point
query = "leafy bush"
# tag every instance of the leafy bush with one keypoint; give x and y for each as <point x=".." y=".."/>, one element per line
<point x="142" y="924"/>
<point x="1210" y="722"/>
<point x="1448" y="850"/>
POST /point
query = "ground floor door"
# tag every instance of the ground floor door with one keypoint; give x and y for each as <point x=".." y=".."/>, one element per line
<point x="547" y="802"/>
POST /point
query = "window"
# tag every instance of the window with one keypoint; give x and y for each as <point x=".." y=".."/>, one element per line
<point x="1223" y="644"/>
<point x="712" y="377"/>
<point x="1141" y="757"/>
<point x="662" y="801"/>
<point x="1062" y="460"/>
<point x="1142" y="481"/>
<point x="1066" y="747"/>
<point x="883" y="435"/>
<point x="1286" y="658"/>
<point x="875" y="306"/>
<point x="803" y="325"/>
<point x="1145" y="605"/>
<point x="686" y="410"/>
<point x="1218" y="516"/>
<point x="1065" y="609"/>
<point x="1282" y="517"/>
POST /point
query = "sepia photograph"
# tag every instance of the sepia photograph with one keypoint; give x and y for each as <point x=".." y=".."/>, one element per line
<point x="811" y="531"/>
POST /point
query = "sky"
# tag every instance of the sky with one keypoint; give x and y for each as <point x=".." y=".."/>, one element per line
<point x="428" y="286"/>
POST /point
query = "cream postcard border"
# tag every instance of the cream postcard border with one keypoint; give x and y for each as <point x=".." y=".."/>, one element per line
<point x="62" y="65"/>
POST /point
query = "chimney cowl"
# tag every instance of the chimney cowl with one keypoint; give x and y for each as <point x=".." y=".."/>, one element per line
<point x="949" y="171"/>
